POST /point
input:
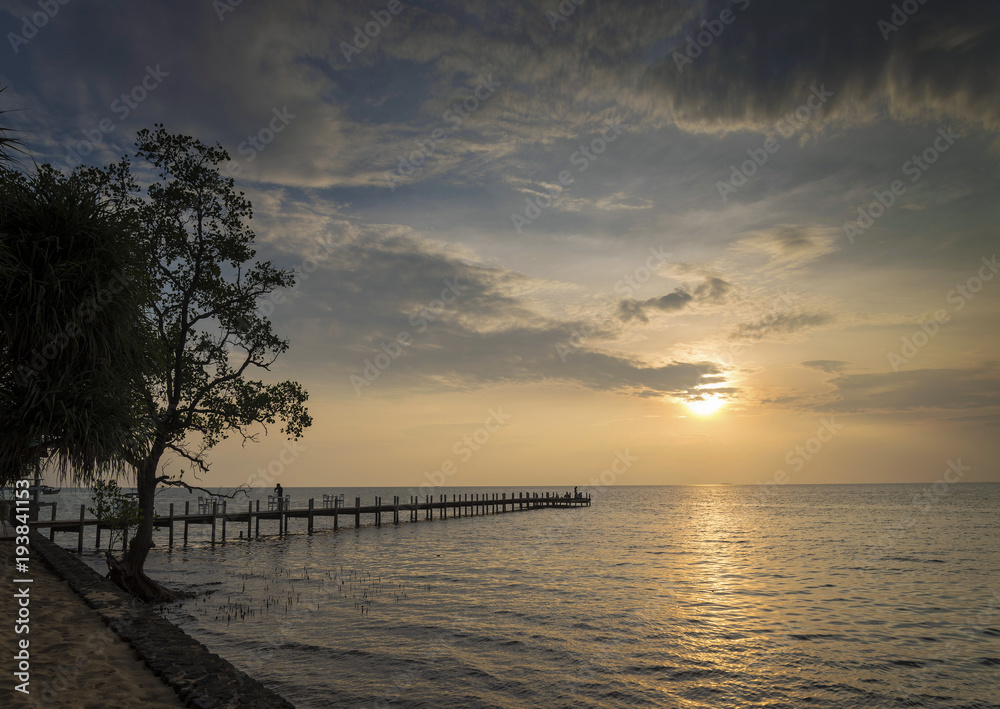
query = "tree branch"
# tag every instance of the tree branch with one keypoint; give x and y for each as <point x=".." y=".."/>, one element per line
<point x="170" y="482"/>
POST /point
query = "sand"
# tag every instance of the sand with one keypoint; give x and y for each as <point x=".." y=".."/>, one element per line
<point x="76" y="660"/>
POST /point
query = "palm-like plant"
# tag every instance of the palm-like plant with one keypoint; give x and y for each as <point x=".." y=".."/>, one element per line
<point x="74" y="342"/>
<point x="9" y="144"/>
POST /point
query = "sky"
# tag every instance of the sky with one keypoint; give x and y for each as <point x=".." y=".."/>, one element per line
<point x="587" y="242"/>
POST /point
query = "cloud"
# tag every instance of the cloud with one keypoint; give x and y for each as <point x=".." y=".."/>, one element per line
<point x="713" y="290"/>
<point x="620" y="201"/>
<point x="830" y="366"/>
<point x="790" y="245"/>
<point x="358" y="115"/>
<point x="779" y="324"/>
<point x="936" y="65"/>
<point x="469" y="325"/>
<point x="916" y="390"/>
<point x="631" y="309"/>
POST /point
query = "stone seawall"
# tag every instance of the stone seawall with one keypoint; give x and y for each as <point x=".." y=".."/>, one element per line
<point x="201" y="678"/>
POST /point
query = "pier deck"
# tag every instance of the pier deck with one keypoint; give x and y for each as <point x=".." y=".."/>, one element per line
<point x="468" y="505"/>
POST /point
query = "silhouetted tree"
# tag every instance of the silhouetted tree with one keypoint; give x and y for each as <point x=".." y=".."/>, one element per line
<point x="191" y="224"/>
<point x="74" y="341"/>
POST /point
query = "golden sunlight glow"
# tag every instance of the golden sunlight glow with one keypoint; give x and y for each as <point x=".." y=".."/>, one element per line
<point x="706" y="406"/>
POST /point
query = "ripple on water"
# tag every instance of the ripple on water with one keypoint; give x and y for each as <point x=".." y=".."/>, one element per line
<point x="656" y="597"/>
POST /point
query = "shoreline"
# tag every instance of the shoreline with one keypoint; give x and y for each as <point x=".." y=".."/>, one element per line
<point x="128" y="653"/>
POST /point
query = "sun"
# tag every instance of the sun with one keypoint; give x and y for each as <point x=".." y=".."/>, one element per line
<point x="706" y="406"/>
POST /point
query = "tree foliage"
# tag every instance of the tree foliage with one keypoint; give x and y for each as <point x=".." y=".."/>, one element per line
<point x="74" y="340"/>
<point x="192" y="225"/>
<point x="9" y="144"/>
<point x="115" y="509"/>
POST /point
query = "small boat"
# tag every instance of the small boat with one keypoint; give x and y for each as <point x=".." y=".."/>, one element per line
<point x="45" y="489"/>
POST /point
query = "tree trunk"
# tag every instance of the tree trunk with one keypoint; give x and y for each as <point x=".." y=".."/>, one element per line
<point x="128" y="573"/>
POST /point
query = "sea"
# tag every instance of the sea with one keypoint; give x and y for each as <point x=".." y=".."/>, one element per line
<point x="665" y="596"/>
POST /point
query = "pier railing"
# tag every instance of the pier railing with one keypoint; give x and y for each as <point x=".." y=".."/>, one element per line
<point x="218" y="516"/>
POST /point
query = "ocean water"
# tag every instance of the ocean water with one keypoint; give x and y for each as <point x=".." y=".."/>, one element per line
<point x="714" y="596"/>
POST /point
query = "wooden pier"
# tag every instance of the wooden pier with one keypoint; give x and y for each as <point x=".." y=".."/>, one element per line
<point x="468" y="505"/>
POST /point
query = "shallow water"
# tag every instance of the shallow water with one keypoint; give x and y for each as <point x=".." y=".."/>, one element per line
<point x="820" y="596"/>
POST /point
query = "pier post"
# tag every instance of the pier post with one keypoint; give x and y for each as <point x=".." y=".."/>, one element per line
<point x="223" y="519"/>
<point x="214" y="518"/>
<point x="79" y="540"/>
<point x="257" y="528"/>
<point x="249" y="519"/>
<point x="309" y="526"/>
<point x="170" y="532"/>
<point x="52" y="530"/>
<point x="357" y="512"/>
<point x="336" y="514"/>
<point x="187" y="509"/>
<point x="395" y="509"/>
<point x="97" y="540"/>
